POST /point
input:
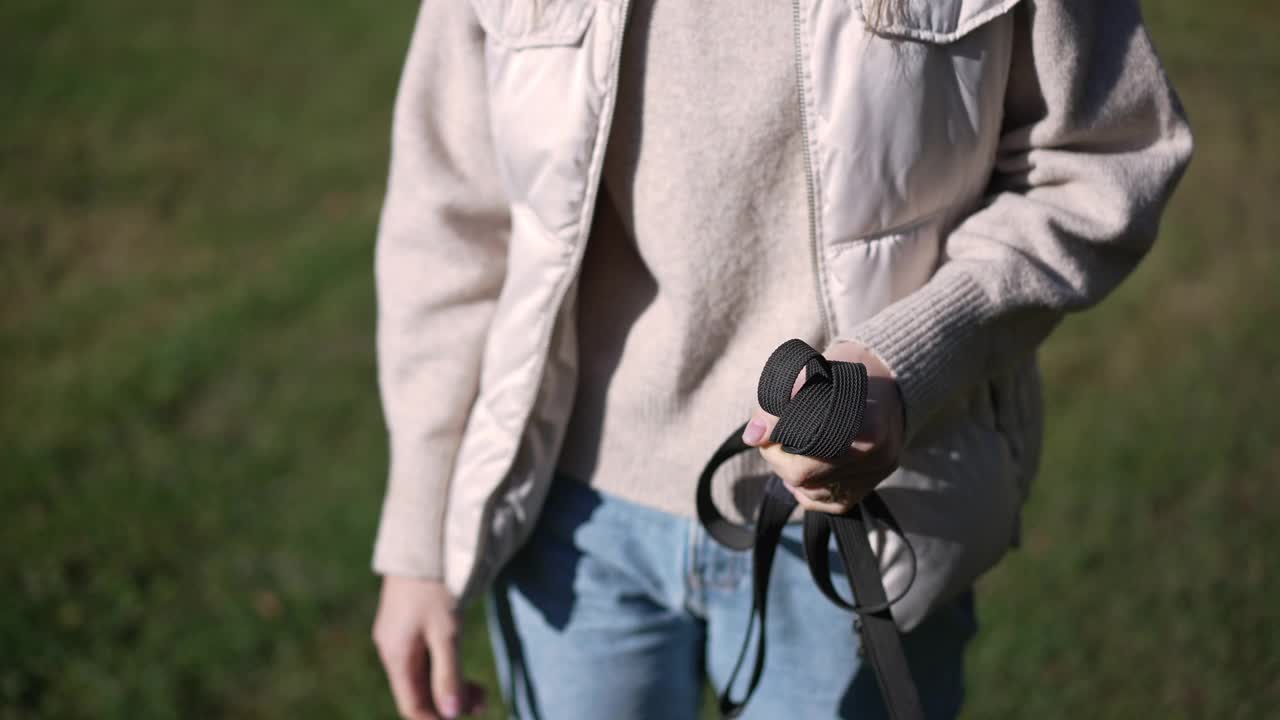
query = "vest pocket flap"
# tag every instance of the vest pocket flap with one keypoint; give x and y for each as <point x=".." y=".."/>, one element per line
<point x="931" y="21"/>
<point x="522" y="24"/>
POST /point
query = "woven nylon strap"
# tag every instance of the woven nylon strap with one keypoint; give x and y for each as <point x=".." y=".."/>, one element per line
<point x="820" y="421"/>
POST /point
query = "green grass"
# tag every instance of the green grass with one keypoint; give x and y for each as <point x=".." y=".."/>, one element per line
<point x="192" y="454"/>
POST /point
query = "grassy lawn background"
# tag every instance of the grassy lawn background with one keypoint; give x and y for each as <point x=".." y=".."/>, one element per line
<point x="192" y="455"/>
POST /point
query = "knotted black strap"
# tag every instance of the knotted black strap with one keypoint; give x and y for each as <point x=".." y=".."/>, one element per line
<point x="820" y="421"/>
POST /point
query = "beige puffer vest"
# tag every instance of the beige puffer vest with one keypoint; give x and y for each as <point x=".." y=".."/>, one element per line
<point x="891" y="167"/>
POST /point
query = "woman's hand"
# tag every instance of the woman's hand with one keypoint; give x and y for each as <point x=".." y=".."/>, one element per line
<point x="416" y="632"/>
<point x="836" y="486"/>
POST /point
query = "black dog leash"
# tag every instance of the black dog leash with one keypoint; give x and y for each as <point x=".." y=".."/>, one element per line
<point x="820" y="421"/>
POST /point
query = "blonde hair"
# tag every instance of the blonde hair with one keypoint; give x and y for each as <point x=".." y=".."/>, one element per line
<point x="879" y="14"/>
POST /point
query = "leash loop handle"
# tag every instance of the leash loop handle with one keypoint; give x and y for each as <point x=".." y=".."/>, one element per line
<point x="820" y="421"/>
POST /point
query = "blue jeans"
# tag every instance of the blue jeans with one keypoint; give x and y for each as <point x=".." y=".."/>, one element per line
<point x="614" y="610"/>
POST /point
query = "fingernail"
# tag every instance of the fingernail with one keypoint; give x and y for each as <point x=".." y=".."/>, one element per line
<point x="450" y="706"/>
<point x="754" y="432"/>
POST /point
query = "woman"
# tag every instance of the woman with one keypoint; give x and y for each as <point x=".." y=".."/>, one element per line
<point x="603" y="215"/>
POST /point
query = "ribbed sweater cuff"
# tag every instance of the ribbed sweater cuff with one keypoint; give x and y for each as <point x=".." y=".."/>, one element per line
<point x="930" y="340"/>
<point x="401" y="549"/>
<point x="411" y="528"/>
<point x="406" y="547"/>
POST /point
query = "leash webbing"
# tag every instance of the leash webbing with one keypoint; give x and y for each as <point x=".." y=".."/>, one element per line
<point x="820" y="421"/>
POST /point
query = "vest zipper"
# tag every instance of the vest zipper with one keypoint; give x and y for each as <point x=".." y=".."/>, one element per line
<point x="809" y="183"/>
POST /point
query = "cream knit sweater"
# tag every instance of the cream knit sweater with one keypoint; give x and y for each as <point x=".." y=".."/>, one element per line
<point x="697" y="264"/>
